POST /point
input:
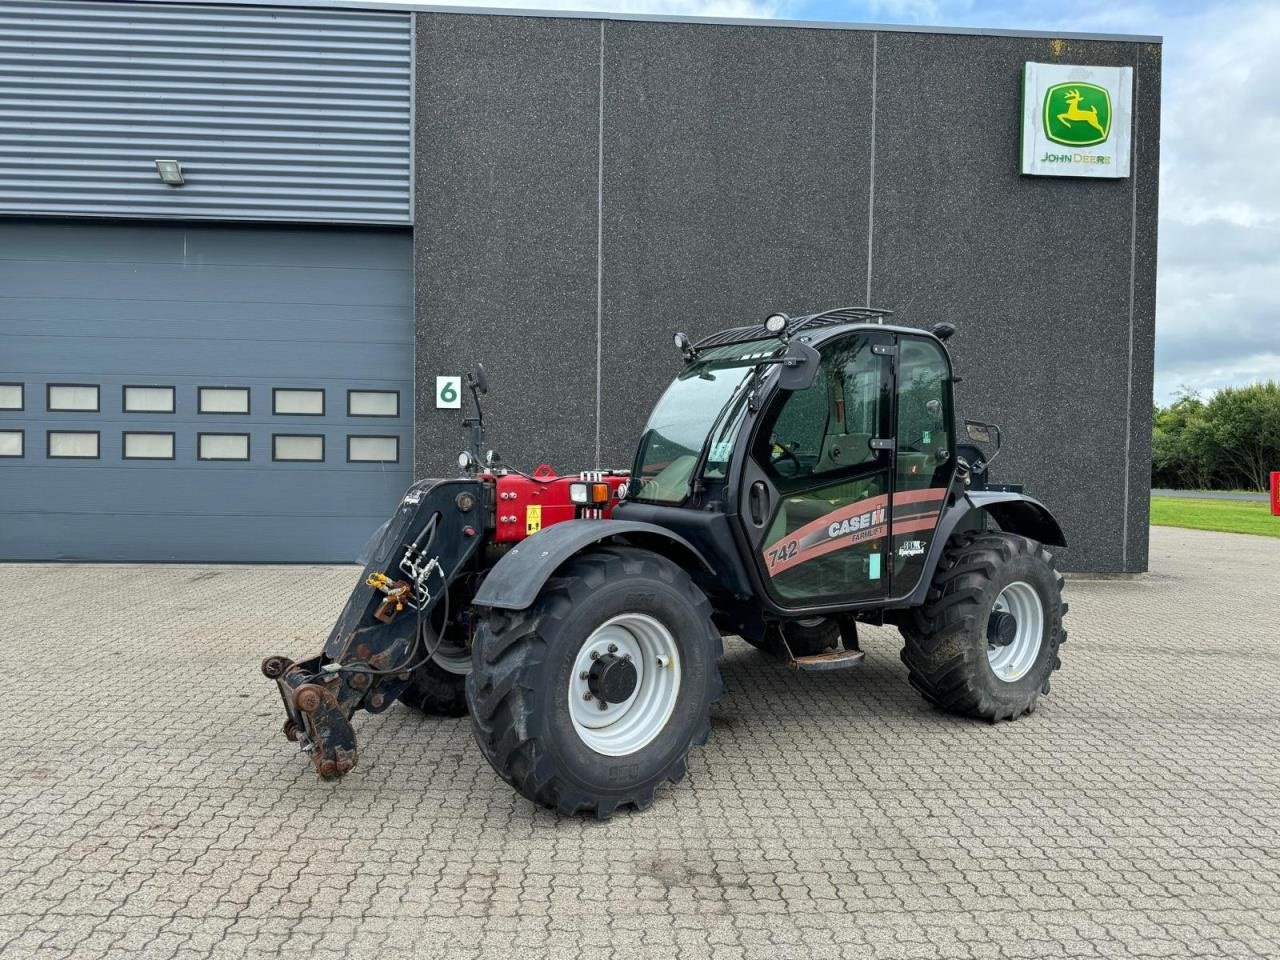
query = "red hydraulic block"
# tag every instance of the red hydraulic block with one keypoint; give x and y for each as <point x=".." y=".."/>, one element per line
<point x="1275" y="493"/>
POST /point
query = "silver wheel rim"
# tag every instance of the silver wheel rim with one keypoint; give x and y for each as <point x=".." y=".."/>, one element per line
<point x="451" y="657"/>
<point x="623" y="728"/>
<point x="1012" y="662"/>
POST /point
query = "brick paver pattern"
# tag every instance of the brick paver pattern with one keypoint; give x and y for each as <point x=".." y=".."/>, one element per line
<point x="150" y="808"/>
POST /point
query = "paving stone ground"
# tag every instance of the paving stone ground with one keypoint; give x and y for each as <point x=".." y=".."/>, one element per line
<point x="149" y="807"/>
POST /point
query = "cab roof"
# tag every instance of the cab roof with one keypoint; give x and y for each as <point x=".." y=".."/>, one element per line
<point x="825" y="322"/>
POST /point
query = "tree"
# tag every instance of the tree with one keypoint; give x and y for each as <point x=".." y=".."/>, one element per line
<point x="1180" y="453"/>
<point x="1244" y="430"/>
<point x="1231" y="441"/>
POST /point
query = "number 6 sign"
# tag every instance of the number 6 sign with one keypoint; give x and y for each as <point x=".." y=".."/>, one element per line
<point x="448" y="393"/>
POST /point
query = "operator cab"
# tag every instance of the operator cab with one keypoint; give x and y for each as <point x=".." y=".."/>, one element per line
<point x="830" y="492"/>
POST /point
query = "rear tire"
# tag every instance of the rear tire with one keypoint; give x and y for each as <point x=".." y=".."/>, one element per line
<point x="527" y="711"/>
<point x="955" y="654"/>
<point x="808" y="638"/>
<point x="439" y="688"/>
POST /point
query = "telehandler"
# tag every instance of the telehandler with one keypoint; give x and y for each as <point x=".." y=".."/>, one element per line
<point x="797" y="477"/>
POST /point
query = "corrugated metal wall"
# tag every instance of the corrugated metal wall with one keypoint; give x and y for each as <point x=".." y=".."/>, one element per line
<point x="275" y="114"/>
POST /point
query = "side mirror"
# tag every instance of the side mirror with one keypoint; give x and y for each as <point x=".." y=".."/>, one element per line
<point x="799" y="366"/>
<point x="978" y="432"/>
<point x="477" y="379"/>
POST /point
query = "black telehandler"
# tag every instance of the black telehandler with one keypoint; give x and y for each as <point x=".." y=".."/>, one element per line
<point x="798" y="476"/>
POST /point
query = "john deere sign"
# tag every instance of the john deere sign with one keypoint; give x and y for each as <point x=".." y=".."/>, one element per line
<point x="1075" y="120"/>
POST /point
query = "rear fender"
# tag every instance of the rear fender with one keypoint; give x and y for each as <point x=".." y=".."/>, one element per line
<point x="1020" y="514"/>
<point x="1012" y="512"/>
<point x="516" y="579"/>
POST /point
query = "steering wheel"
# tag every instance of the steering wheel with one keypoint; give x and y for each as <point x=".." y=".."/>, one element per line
<point x="780" y="453"/>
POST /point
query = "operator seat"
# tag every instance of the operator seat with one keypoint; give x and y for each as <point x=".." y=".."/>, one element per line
<point x="844" y="450"/>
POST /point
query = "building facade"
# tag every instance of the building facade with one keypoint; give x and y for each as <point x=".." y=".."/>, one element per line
<point x="242" y="367"/>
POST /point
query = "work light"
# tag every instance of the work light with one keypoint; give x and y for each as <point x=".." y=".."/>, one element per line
<point x="589" y="494"/>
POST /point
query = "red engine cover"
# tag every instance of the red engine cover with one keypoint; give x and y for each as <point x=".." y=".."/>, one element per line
<point x="523" y="506"/>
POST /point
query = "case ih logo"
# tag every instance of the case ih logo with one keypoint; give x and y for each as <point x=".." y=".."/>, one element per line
<point x="860" y="527"/>
<point x="1077" y="114"/>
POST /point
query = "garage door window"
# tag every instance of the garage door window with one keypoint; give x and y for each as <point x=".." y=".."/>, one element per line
<point x="297" y="447"/>
<point x="373" y="403"/>
<point x="223" y="446"/>
<point x="80" y="397"/>
<point x="373" y="449"/>
<point x="12" y="443"/>
<point x="73" y="444"/>
<point x="11" y="396"/>
<point x="147" y="445"/>
<point x="147" y="400"/>
<point x="298" y="403"/>
<point x="224" y="399"/>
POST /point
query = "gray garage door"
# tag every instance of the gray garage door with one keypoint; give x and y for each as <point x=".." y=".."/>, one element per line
<point x="201" y="393"/>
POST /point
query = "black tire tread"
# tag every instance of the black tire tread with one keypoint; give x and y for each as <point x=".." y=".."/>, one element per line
<point x="436" y="692"/>
<point x="511" y="647"/>
<point x="806" y="640"/>
<point x="936" y="654"/>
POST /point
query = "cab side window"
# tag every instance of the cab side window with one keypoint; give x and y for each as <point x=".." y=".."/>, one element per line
<point x="924" y="415"/>
<point x="828" y="427"/>
<point x="798" y="433"/>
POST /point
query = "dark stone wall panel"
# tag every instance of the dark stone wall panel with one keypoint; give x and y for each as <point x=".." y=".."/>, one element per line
<point x="1034" y="271"/>
<point x="735" y="184"/>
<point x="1146" y="209"/>
<point x="736" y="173"/>
<point x="507" y="148"/>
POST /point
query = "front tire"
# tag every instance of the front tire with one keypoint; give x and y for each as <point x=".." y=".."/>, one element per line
<point x="987" y="638"/>
<point x="532" y="672"/>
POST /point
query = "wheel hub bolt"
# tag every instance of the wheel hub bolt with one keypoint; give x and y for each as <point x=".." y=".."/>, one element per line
<point x="588" y="696"/>
<point x="613" y="648"/>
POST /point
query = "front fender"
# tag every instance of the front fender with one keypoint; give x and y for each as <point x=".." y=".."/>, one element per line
<point x="516" y="579"/>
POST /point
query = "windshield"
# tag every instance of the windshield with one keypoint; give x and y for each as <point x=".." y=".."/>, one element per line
<point x="697" y="402"/>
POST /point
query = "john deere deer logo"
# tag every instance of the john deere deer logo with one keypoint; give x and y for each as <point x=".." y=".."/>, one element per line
<point x="1077" y="114"/>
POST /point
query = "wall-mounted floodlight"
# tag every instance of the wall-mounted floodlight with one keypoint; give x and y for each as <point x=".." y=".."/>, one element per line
<point x="170" y="172"/>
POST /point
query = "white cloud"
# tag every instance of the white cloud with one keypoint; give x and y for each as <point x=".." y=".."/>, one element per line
<point x="1218" y="313"/>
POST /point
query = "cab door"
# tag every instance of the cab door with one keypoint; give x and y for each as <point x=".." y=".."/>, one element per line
<point x="817" y="484"/>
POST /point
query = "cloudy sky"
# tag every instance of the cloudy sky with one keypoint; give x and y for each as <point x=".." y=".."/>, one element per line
<point x="1218" y="314"/>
